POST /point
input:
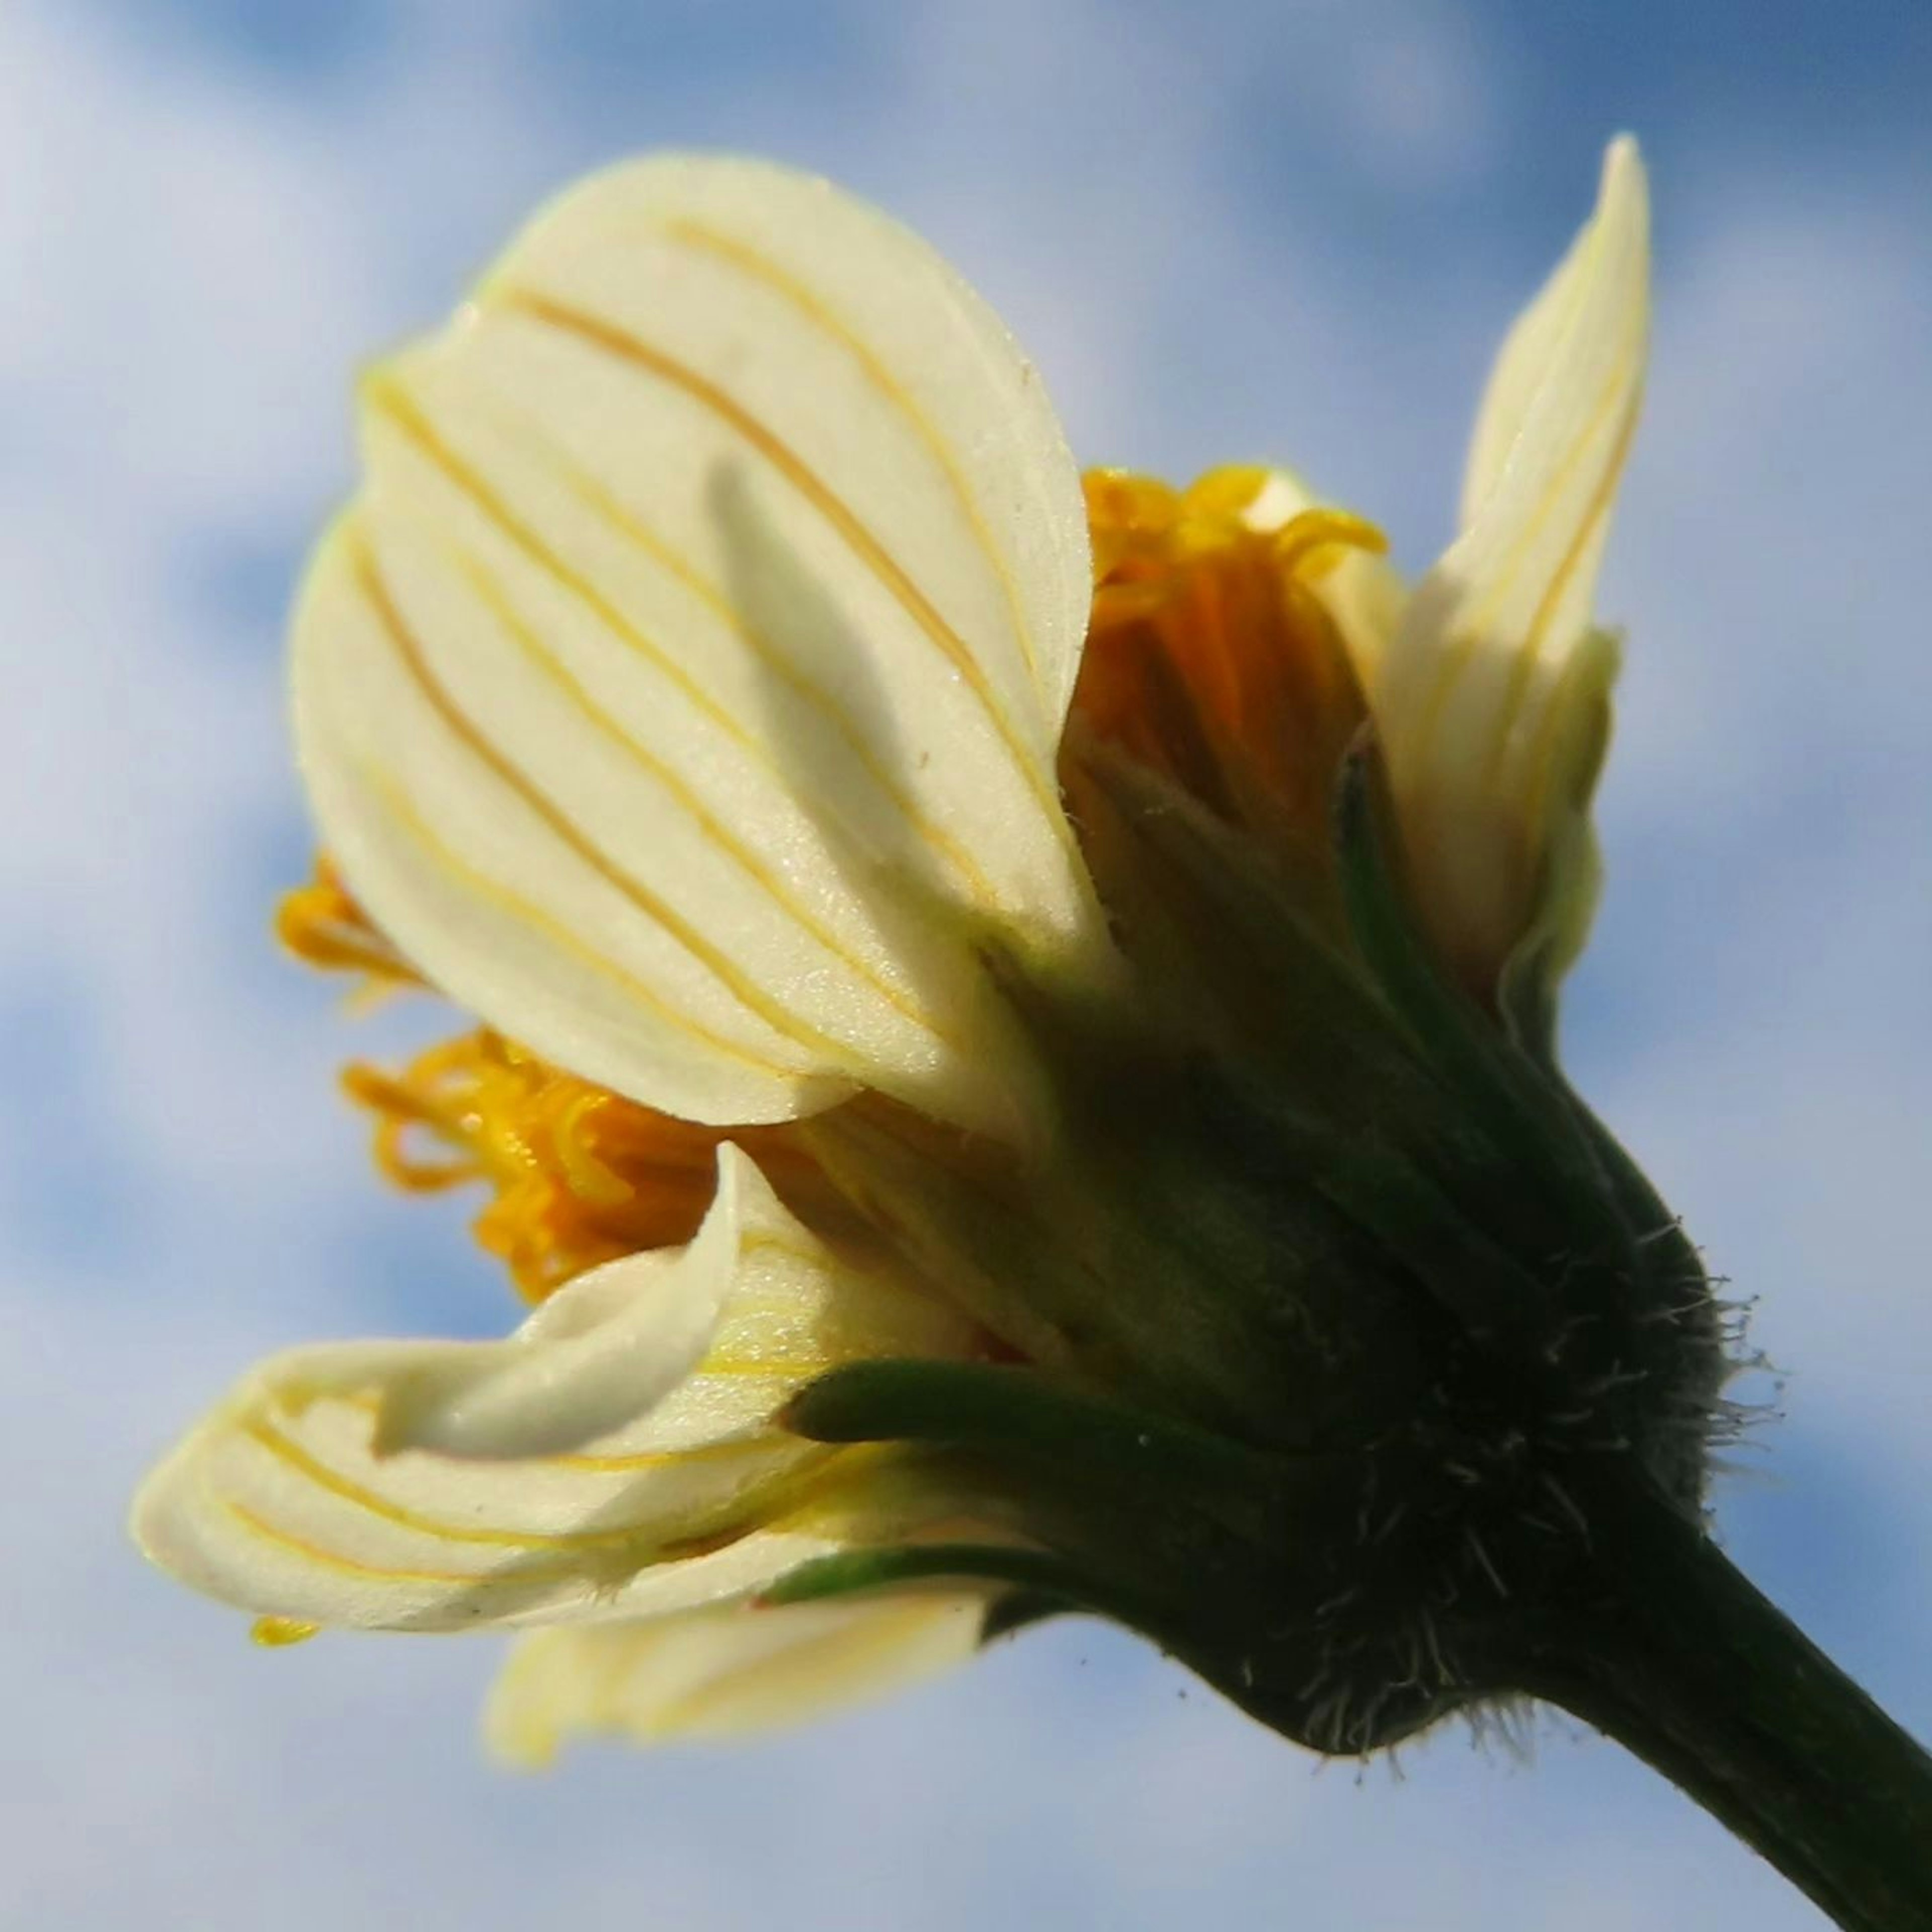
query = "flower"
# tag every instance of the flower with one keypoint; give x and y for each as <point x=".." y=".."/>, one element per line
<point x="983" y="1137"/>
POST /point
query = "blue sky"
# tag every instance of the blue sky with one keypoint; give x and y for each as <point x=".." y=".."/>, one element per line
<point x="1223" y="230"/>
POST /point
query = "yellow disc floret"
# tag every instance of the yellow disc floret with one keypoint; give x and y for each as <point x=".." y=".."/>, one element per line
<point x="1212" y="656"/>
<point x="578" y="1175"/>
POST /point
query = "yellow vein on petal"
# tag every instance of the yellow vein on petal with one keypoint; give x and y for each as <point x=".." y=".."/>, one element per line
<point x="1466" y="635"/>
<point x="401" y="807"/>
<point x="1588" y="528"/>
<point x="1616" y="392"/>
<point x="611" y="339"/>
<point x="290" y="1454"/>
<point x="783" y="1493"/>
<point x="709" y="826"/>
<point x="410" y="654"/>
<point x="259" y="1526"/>
<point x="626" y="522"/>
<point x="743" y="255"/>
<point x="797" y="1498"/>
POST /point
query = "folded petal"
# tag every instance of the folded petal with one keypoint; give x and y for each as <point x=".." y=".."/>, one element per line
<point x="1361" y="591"/>
<point x="721" y="1672"/>
<point x="1496" y="677"/>
<point x="699" y="641"/>
<point x="616" y="1456"/>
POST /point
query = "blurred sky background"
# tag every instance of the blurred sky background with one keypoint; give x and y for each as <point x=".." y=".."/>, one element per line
<point x="1224" y="230"/>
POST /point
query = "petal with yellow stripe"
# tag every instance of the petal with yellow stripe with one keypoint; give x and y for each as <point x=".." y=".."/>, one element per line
<point x="681" y="693"/>
<point x="617" y="1455"/>
<point x="1493" y="699"/>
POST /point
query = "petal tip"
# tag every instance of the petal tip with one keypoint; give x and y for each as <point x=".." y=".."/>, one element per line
<point x="1623" y="159"/>
<point x="1623" y="188"/>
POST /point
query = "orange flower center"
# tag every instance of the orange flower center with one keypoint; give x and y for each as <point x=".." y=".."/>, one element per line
<point x="1210" y="656"/>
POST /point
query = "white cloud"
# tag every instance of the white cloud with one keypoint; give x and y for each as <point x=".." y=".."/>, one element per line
<point x="1768" y="806"/>
<point x="1770" y="538"/>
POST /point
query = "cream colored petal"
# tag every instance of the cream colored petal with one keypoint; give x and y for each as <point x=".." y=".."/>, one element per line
<point x="1472" y="695"/>
<point x="723" y="1672"/>
<point x="1281" y="496"/>
<point x="607" y="1348"/>
<point x="1365" y="595"/>
<point x="684" y="686"/>
<point x="297" y="1498"/>
<point x="1531" y="350"/>
<point x="1362" y="592"/>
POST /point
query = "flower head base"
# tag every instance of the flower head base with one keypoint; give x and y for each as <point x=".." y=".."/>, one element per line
<point x="1060" y="1130"/>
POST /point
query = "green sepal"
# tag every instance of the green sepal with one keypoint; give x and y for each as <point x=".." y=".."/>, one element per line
<point x="1007" y="1412"/>
<point x="992" y="1407"/>
<point x="1513" y="1097"/>
<point x="1155" y="1524"/>
<point x="1641" y="1284"/>
<point x="1332" y="1130"/>
<point x="1498" y="1304"/>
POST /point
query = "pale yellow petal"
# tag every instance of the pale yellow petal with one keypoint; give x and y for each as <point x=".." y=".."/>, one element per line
<point x="1531" y="349"/>
<point x="1489" y="675"/>
<point x="724" y="1672"/>
<point x="297" y="1498"/>
<point x="1280" y="496"/>
<point x="683" y="691"/>
<point x="1362" y="592"/>
<point x="605" y="1349"/>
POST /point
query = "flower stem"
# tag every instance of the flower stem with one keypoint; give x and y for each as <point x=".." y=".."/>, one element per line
<point x="1673" y="1652"/>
